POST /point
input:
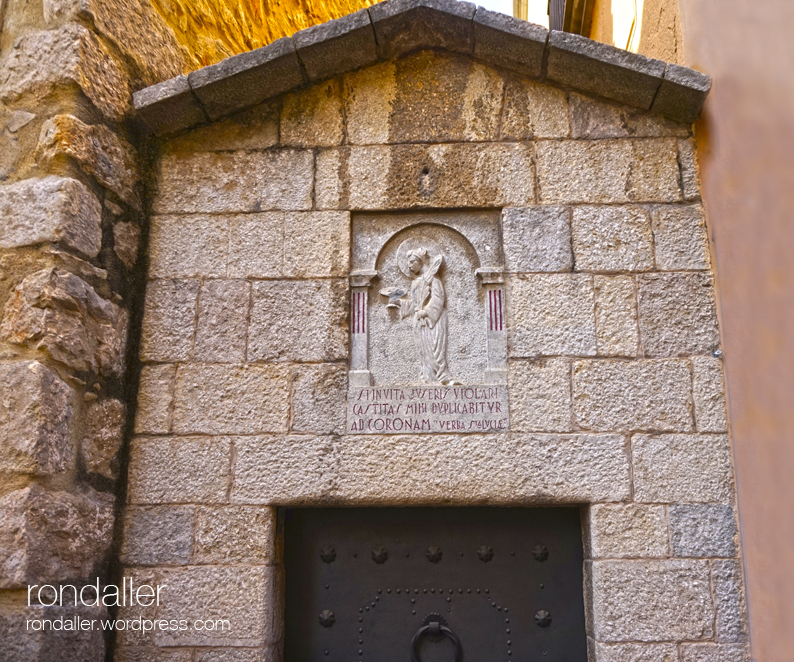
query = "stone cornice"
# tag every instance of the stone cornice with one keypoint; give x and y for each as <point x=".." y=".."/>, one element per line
<point x="395" y="27"/>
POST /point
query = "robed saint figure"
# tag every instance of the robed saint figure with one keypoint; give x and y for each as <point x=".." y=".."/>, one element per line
<point x="425" y="303"/>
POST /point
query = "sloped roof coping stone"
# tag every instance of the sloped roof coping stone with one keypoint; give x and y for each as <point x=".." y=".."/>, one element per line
<point x="395" y="27"/>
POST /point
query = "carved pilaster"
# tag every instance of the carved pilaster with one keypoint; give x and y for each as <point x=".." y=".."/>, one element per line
<point x="360" y="281"/>
<point x="492" y="282"/>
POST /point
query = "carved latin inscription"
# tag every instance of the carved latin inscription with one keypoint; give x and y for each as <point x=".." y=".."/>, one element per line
<point x="397" y="410"/>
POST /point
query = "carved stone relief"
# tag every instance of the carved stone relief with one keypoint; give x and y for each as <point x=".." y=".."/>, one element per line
<point x="428" y="343"/>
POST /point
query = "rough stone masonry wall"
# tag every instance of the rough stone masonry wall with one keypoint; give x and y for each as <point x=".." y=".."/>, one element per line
<point x="71" y="218"/>
<point x="615" y="379"/>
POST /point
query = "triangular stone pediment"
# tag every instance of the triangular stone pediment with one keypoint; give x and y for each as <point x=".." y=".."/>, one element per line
<point x="394" y="28"/>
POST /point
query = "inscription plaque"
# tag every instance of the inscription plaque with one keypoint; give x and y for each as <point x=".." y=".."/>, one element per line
<point x="428" y="333"/>
<point x="401" y="409"/>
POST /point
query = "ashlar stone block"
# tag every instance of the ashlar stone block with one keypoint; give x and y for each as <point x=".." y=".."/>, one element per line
<point x="169" y="106"/>
<point x="129" y="637"/>
<point x="709" y="394"/>
<point x="222" y="320"/>
<point x="402" y="26"/>
<point x="58" y="312"/>
<point x="179" y="470"/>
<point x="168" y="320"/>
<point x="634" y="652"/>
<point x="313" y="117"/>
<point x="256" y="245"/>
<point x="298" y="321"/>
<point x="136" y="28"/>
<point x="603" y="69"/>
<point x="617" y="333"/>
<point x="537" y="239"/>
<point x="608" y="171"/>
<point x="228" y="535"/>
<point x="632" y="395"/>
<point x="248" y="78"/>
<point x="214" y="398"/>
<point x="104" y="427"/>
<point x="509" y="42"/>
<point x="647" y="601"/>
<point x="155" y="399"/>
<point x="35" y="420"/>
<point x="703" y="530"/>
<point x="677" y="314"/>
<point x="157" y="535"/>
<point x="52" y="209"/>
<point x="679" y="233"/>
<point x="188" y="246"/>
<point x="442" y="175"/>
<point x="682" y="93"/>
<point x="534" y="110"/>
<point x="317" y="244"/>
<point x="254" y="128"/>
<point x="612" y="239"/>
<point x="270" y="653"/>
<point x="709" y="652"/>
<point x="540" y="395"/>
<point x="218" y="182"/>
<point x="336" y="46"/>
<point x="96" y="149"/>
<point x="628" y="531"/>
<point x="153" y="654"/>
<point x="682" y="468"/>
<point x="215" y="592"/>
<point x="369" y="96"/>
<point x="551" y="314"/>
<point x="41" y="61"/>
<point x="126" y="242"/>
<point x="448" y="110"/>
<point x="318" y="399"/>
<point x="463" y="102"/>
<point x="48" y="537"/>
<point x="731" y="605"/>
<point x="690" y="172"/>
<point x="513" y="469"/>
<point x="596" y="119"/>
<point x="294" y="469"/>
<point x="22" y="644"/>
<point x="332" y="187"/>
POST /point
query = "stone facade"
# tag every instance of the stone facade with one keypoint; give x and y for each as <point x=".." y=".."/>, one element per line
<point x="613" y="360"/>
<point x="71" y="283"/>
<point x="615" y="381"/>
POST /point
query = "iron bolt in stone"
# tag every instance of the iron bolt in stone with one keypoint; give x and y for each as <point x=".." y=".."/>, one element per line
<point x="327" y="618"/>
<point x="543" y="618"/>
<point x="328" y="554"/>
<point x="379" y="555"/>
<point x="485" y="553"/>
<point x="434" y="554"/>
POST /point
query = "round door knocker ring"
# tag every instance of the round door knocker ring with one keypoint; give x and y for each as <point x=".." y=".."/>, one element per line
<point x="435" y="627"/>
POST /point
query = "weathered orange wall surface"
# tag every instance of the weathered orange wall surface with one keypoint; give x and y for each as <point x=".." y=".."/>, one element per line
<point x="746" y="141"/>
<point x="212" y="30"/>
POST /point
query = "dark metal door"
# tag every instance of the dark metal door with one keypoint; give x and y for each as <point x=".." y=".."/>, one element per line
<point x="362" y="583"/>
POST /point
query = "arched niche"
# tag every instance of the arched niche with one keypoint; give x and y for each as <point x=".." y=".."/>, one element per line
<point x="393" y="354"/>
<point x="385" y="348"/>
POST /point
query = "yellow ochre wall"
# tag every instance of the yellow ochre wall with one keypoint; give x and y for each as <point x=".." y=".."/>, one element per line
<point x="211" y="30"/>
